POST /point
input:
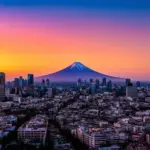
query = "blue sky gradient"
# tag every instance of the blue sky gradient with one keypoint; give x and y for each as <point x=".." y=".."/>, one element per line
<point x="101" y="4"/>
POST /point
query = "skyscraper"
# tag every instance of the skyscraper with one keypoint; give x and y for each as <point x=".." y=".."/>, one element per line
<point x="43" y="83"/>
<point x="104" y="82"/>
<point x="128" y="81"/>
<point x="91" y="81"/>
<point x="16" y="82"/>
<point x="21" y="82"/>
<point x="93" y="88"/>
<point x="30" y="79"/>
<point x="25" y="82"/>
<point x="47" y="83"/>
<point x="2" y="86"/>
<point x="79" y="82"/>
<point x="97" y="84"/>
<point x="30" y="87"/>
<point x="109" y="85"/>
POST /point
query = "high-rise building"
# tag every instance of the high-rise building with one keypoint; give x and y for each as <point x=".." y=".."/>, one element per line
<point x="2" y="86"/>
<point x="131" y="91"/>
<point x="16" y="82"/>
<point x="109" y="85"/>
<point x="25" y="82"/>
<point x="2" y="78"/>
<point x="9" y="84"/>
<point x="47" y="83"/>
<point x="79" y="82"/>
<point x="97" y="84"/>
<point x="30" y="87"/>
<point x="128" y="81"/>
<point x="43" y="82"/>
<point x="30" y="79"/>
<point x="91" y="80"/>
<point x="104" y="82"/>
<point x="21" y="82"/>
<point x="93" y="88"/>
<point x="51" y="92"/>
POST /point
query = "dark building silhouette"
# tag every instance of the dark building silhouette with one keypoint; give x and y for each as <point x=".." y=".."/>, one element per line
<point x="30" y="87"/>
<point x="104" y="82"/>
<point x="47" y="83"/>
<point x="30" y="79"/>
<point x="21" y="82"/>
<point x="16" y="82"/>
<point x="93" y="88"/>
<point x="128" y="82"/>
<point x="97" y="84"/>
<point x="109" y="85"/>
<point x="79" y="82"/>
<point x="43" y="82"/>
<point x="2" y="86"/>
<point x="91" y="81"/>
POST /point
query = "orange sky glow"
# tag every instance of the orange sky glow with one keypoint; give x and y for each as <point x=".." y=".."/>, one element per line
<point x="29" y="45"/>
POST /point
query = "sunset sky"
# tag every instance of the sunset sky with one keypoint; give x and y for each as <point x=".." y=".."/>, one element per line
<point x="109" y="36"/>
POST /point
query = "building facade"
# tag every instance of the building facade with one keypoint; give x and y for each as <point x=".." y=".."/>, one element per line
<point x="2" y="86"/>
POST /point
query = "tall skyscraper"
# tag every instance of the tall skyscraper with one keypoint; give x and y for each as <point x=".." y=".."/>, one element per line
<point x="25" y="82"/>
<point x="128" y="81"/>
<point x="2" y="86"/>
<point x="21" y="82"/>
<point x="104" y="82"/>
<point x="91" y="81"/>
<point x="43" y="82"/>
<point x="30" y="87"/>
<point x="79" y="82"/>
<point x="93" y="88"/>
<point x="47" y="83"/>
<point x="97" y="84"/>
<point x="16" y="82"/>
<point x="109" y="85"/>
<point x="30" y="79"/>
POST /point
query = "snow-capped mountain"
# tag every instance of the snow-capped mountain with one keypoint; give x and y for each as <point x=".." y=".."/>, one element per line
<point x="77" y="65"/>
<point x="74" y="72"/>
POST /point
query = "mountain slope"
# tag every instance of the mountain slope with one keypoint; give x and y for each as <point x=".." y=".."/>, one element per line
<point x="75" y="71"/>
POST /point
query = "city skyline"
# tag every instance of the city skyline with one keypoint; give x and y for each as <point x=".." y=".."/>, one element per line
<point x="43" y="37"/>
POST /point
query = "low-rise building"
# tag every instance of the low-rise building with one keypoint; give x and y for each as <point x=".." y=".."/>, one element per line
<point x="35" y="129"/>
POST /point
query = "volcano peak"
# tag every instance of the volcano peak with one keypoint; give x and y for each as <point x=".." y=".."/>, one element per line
<point x="77" y="65"/>
<point x="74" y="71"/>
